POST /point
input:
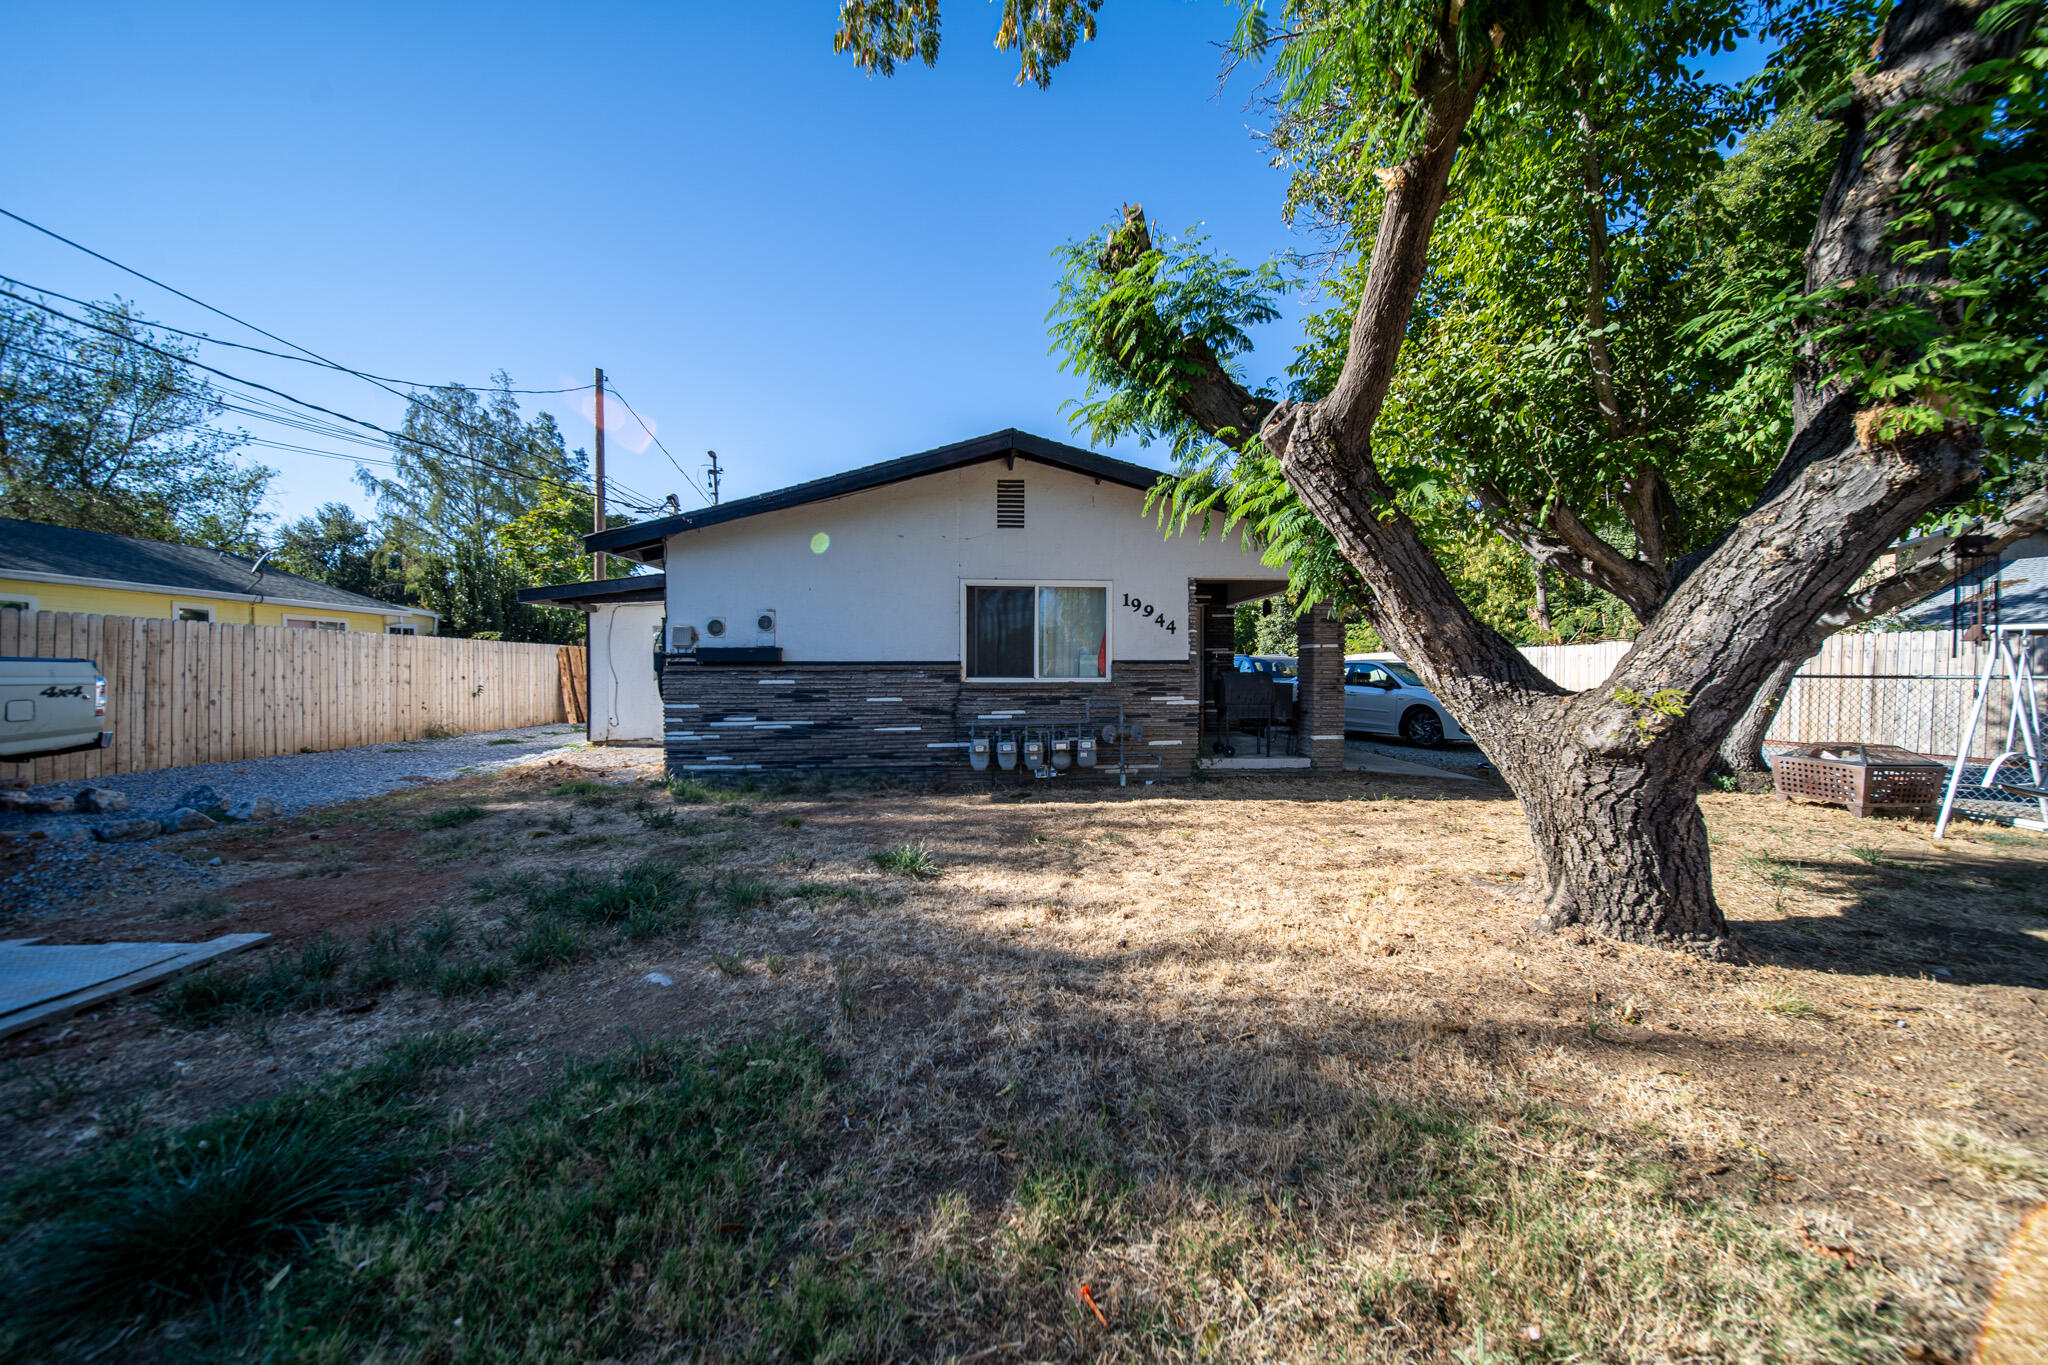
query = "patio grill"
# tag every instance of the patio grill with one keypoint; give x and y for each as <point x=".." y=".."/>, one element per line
<point x="1861" y="777"/>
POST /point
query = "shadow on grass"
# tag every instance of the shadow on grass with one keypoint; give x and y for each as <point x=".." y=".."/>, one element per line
<point x="1962" y="917"/>
<point x="675" y="1197"/>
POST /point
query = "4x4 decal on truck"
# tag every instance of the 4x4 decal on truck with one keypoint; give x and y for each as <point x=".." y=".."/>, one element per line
<point x="54" y="691"/>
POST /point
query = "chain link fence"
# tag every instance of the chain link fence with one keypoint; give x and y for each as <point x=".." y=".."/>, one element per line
<point x="1924" y="713"/>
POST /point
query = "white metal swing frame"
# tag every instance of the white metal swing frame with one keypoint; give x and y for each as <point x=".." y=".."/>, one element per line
<point x="2007" y="663"/>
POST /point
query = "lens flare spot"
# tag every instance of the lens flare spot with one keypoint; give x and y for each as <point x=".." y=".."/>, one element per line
<point x="820" y="543"/>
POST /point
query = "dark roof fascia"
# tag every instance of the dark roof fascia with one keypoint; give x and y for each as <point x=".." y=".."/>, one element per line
<point x="646" y="587"/>
<point x="648" y="535"/>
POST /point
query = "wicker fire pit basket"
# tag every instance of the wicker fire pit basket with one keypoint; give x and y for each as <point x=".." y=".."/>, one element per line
<point x="1862" y="777"/>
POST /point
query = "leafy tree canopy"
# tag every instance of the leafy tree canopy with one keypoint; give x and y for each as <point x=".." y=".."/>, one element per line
<point x="102" y="427"/>
<point x="482" y="502"/>
<point x="1599" y="363"/>
<point x="337" y="547"/>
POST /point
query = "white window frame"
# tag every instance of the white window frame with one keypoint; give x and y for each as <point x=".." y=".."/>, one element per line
<point x="28" y="600"/>
<point x="394" y="628"/>
<point x="316" y="622"/>
<point x="1108" y="625"/>
<point x="212" y="612"/>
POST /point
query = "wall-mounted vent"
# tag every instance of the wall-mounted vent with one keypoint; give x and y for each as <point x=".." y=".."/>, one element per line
<point x="1010" y="504"/>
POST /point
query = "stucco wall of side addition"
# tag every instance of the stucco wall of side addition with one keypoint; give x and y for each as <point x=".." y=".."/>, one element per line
<point x="625" y="700"/>
<point x="151" y="605"/>
<point x="877" y="576"/>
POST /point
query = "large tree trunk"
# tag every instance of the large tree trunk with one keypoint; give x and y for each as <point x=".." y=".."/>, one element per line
<point x="1608" y="778"/>
<point x="1742" y="752"/>
<point x="1623" y="846"/>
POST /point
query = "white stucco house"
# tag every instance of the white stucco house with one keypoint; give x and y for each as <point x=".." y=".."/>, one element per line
<point x="882" y="618"/>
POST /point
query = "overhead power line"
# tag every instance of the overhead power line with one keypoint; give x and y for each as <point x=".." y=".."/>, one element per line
<point x="173" y="289"/>
<point x="377" y="380"/>
<point x="613" y="389"/>
<point x="210" y="340"/>
<point x="221" y="312"/>
<point x="173" y="356"/>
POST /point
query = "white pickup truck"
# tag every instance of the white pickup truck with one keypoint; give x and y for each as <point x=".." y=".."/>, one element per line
<point x="51" y="706"/>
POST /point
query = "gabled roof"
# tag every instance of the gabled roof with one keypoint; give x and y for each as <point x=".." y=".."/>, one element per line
<point x="639" y="587"/>
<point x="2022" y="595"/>
<point x="32" y="547"/>
<point x="647" y="539"/>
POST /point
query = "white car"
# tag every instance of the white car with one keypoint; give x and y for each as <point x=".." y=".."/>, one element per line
<point x="1384" y="696"/>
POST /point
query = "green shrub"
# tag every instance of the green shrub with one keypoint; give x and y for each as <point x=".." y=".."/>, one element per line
<point x="653" y="883"/>
<point x="451" y="817"/>
<point x="546" y="942"/>
<point x="910" y="860"/>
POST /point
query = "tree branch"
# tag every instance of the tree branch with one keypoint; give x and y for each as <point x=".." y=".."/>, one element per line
<point x="1213" y="399"/>
<point x="1597" y="355"/>
<point x="1652" y="513"/>
<point x="1325" y="447"/>
<point x="1415" y="193"/>
<point x="1564" y="542"/>
<point x="1908" y="586"/>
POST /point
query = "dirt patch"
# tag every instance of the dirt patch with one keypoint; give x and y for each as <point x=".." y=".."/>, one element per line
<point x="1212" y="984"/>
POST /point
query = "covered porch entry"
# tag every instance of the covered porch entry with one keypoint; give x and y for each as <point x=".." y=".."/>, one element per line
<point x="1311" y="736"/>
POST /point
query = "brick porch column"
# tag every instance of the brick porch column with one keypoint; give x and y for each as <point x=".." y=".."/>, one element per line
<point x="1319" y="694"/>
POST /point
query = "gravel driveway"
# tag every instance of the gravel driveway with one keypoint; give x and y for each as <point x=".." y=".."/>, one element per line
<point x="67" y="868"/>
<point x="300" y="782"/>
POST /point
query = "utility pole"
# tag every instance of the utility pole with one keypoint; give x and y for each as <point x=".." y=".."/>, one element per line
<point x="597" y="507"/>
<point x="714" y="476"/>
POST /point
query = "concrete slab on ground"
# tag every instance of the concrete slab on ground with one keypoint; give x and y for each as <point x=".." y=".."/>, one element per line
<point x="44" y="982"/>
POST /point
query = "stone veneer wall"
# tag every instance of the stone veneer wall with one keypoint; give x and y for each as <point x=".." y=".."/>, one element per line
<point x="902" y="717"/>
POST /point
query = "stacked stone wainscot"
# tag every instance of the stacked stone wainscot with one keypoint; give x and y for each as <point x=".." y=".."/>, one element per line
<point x="903" y="717"/>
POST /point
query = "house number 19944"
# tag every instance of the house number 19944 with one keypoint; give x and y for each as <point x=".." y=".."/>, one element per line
<point x="1152" y="614"/>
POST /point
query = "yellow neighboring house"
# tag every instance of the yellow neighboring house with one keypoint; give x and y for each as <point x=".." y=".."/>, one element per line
<point x="55" y="568"/>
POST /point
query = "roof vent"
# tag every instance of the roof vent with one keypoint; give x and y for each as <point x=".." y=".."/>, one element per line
<point x="1010" y="504"/>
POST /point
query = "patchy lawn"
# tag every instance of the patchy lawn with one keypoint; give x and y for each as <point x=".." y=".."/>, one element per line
<point x="1273" y="1069"/>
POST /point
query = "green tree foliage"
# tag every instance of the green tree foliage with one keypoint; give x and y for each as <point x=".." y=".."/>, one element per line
<point x="1043" y="33"/>
<point x="1555" y="371"/>
<point x="481" y="503"/>
<point x="1600" y="360"/>
<point x="102" y="427"/>
<point x="337" y="547"/>
<point x="1979" y="199"/>
<point x="544" y="543"/>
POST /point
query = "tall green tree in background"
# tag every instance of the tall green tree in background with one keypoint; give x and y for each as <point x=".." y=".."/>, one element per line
<point x="479" y="504"/>
<point x="104" y="429"/>
<point x="337" y="547"/>
<point x="1726" y="455"/>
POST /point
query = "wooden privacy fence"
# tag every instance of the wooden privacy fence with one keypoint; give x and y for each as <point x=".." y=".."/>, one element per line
<point x="1577" y="667"/>
<point x="1910" y="688"/>
<point x="186" y="692"/>
<point x="576" y="683"/>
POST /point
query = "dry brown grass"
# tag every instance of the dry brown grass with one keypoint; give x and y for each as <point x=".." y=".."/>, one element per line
<point x="1279" y="1071"/>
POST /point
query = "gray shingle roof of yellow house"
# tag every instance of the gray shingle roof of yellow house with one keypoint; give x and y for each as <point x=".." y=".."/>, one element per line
<point x="60" y="568"/>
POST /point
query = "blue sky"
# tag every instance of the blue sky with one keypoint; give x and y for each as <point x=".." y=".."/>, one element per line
<point x="770" y="254"/>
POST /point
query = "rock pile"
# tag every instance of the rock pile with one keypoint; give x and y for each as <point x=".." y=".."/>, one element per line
<point x="195" y="808"/>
